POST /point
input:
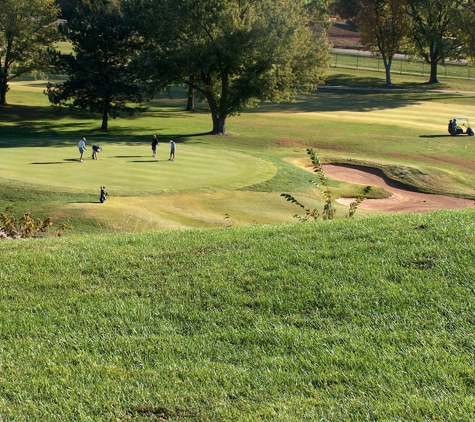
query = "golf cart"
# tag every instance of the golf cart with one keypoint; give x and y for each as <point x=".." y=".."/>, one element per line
<point x="460" y="126"/>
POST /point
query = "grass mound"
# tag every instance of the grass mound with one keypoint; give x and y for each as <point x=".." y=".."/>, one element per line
<point x="342" y="320"/>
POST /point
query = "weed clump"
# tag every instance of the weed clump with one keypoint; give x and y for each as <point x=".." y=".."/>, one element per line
<point x="329" y="209"/>
<point x="25" y="227"/>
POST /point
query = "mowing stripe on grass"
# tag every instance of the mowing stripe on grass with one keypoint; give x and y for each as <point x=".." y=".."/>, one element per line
<point x="126" y="170"/>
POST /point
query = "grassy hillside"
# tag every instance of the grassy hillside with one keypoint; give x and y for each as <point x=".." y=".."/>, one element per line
<point x="370" y="319"/>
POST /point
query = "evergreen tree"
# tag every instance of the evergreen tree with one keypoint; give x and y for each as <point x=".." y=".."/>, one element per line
<point x="102" y="74"/>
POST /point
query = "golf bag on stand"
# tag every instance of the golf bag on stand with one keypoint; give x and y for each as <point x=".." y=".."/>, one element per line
<point x="103" y="194"/>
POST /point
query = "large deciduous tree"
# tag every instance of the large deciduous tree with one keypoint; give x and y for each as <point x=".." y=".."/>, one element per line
<point x="383" y="27"/>
<point x="27" y="29"/>
<point x="236" y="53"/>
<point x="102" y="76"/>
<point x="433" y="28"/>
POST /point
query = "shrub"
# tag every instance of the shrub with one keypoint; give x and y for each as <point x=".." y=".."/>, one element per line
<point x="27" y="226"/>
<point x="322" y="185"/>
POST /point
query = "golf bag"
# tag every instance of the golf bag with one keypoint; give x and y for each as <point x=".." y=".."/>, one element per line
<point x="103" y="194"/>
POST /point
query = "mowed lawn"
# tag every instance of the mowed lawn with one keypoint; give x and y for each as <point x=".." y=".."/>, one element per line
<point x="131" y="169"/>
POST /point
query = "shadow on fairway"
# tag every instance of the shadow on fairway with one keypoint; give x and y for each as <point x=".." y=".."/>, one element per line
<point x="49" y="162"/>
<point x="435" y="136"/>
<point x="47" y="126"/>
<point x="65" y="161"/>
<point x="344" y="100"/>
<point x="145" y="161"/>
<point x="44" y="127"/>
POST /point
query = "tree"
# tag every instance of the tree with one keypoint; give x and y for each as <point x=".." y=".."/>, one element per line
<point x="466" y="30"/>
<point x="433" y="25"/>
<point x="27" y="29"/>
<point x="383" y="27"/>
<point x="67" y="7"/>
<point x="102" y="73"/>
<point x="346" y="9"/>
<point x="235" y="53"/>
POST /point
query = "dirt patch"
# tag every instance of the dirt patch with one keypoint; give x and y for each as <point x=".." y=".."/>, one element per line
<point x="402" y="200"/>
<point x="289" y="143"/>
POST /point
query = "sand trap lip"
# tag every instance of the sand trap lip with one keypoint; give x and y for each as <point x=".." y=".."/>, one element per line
<point x="401" y="201"/>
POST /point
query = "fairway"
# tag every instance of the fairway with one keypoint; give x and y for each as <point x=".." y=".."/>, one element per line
<point x="131" y="169"/>
<point x="235" y="179"/>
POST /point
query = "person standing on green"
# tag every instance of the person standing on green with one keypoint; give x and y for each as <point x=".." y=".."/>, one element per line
<point x="82" y="148"/>
<point x="172" y="151"/>
<point x="154" y="145"/>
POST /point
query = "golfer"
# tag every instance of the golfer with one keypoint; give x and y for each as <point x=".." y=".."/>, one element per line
<point x="82" y="148"/>
<point x="154" y="145"/>
<point x="172" y="151"/>
<point x="95" y="150"/>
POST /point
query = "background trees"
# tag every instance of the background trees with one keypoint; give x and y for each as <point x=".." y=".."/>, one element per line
<point x="433" y="32"/>
<point x="236" y="53"/>
<point x="102" y="73"/>
<point x="434" y="28"/>
<point x="27" y="29"/>
<point x="466" y="30"/>
<point x="383" y="27"/>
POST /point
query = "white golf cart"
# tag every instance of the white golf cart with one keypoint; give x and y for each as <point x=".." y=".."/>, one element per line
<point x="460" y="126"/>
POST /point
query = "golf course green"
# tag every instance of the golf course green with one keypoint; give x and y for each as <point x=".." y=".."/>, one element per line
<point x="131" y="169"/>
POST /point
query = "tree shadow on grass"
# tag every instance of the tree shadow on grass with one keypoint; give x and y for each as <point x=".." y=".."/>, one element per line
<point x="48" y="126"/>
<point x="345" y="100"/>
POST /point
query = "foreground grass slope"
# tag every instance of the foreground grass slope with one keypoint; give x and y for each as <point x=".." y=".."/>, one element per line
<point x="370" y="319"/>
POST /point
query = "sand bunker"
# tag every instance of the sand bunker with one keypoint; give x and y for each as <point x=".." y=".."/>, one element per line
<point x="402" y="199"/>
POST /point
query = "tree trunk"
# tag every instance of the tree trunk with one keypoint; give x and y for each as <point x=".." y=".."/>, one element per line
<point x="433" y="72"/>
<point x="219" y="119"/>
<point x="3" y="89"/>
<point x="105" y="120"/>
<point x="3" y="95"/>
<point x="190" y="106"/>
<point x="387" y="67"/>
<point x="219" y="125"/>
<point x="434" y="58"/>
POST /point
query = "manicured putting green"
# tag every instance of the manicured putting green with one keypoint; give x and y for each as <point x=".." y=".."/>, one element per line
<point x="127" y="170"/>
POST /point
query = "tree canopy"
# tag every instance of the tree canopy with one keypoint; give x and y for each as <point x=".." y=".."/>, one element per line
<point x="383" y="27"/>
<point x="237" y="52"/>
<point x="433" y="27"/>
<point x="27" y="29"/>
